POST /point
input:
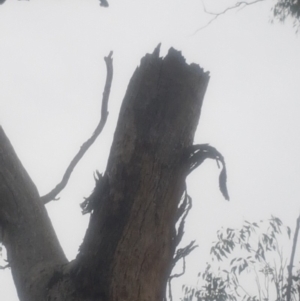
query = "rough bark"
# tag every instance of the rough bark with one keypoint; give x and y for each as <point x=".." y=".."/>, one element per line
<point x="130" y="242"/>
<point x="132" y="226"/>
<point x="26" y="231"/>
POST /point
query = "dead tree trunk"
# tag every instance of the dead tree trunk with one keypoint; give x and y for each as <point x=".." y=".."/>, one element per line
<point x="128" y="248"/>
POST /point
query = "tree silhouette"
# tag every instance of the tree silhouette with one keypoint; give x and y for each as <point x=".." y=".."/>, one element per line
<point x="130" y="245"/>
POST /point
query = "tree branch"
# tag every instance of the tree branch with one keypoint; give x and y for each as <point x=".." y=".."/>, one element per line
<point x="175" y="276"/>
<point x="239" y="4"/>
<point x="33" y="249"/>
<point x="86" y="145"/>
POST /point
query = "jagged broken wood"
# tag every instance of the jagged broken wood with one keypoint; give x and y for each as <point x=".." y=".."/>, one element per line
<point x="86" y="145"/>
<point x="134" y="206"/>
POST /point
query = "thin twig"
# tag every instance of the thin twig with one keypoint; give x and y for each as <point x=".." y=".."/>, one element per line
<point x="276" y="276"/>
<point x="183" y="252"/>
<point x="258" y="284"/>
<point x="3" y="267"/>
<point x="104" y="113"/>
<point x="238" y="4"/>
<point x="176" y="276"/>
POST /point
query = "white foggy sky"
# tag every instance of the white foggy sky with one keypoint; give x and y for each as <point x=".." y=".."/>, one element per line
<point x="51" y="81"/>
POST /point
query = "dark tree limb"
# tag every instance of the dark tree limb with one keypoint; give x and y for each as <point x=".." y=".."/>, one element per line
<point x="290" y="266"/>
<point x="86" y="145"/>
<point x="33" y="250"/>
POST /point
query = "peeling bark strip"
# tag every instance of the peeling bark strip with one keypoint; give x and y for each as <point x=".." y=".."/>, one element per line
<point x="129" y="245"/>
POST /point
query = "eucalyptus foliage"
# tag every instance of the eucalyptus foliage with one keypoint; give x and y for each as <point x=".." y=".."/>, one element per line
<point x="249" y="264"/>
<point x="285" y="9"/>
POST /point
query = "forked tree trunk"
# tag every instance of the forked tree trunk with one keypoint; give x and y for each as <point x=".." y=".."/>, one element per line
<point x="130" y="242"/>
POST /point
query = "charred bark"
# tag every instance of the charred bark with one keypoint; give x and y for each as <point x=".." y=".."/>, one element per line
<point x="129" y="245"/>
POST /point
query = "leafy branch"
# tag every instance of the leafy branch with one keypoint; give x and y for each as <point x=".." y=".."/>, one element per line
<point x="257" y="245"/>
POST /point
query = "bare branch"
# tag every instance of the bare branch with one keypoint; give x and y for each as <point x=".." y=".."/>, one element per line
<point x="3" y="267"/>
<point x="180" y="254"/>
<point x="86" y="145"/>
<point x="181" y="215"/>
<point x="176" y="276"/>
<point x="239" y="4"/>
